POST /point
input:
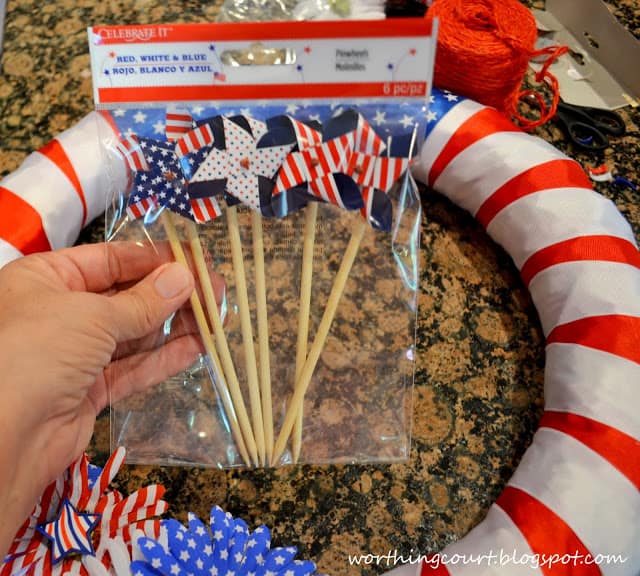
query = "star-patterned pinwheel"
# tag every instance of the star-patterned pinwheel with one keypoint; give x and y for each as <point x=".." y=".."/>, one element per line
<point x="240" y="165"/>
<point x="167" y="178"/>
<point x="83" y="492"/>
<point x="226" y="547"/>
<point x="162" y="168"/>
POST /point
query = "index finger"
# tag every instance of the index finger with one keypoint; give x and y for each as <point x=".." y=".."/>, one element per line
<point x="97" y="267"/>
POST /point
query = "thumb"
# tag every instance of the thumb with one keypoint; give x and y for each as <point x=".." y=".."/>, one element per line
<point x="136" y="312"/>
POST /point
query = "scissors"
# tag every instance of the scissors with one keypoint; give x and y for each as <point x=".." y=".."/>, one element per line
<point x="588" y="127"/>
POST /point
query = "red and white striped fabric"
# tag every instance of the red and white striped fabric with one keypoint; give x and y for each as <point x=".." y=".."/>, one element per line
<point x="573" y="505"/>
<point x="78" y="170"/>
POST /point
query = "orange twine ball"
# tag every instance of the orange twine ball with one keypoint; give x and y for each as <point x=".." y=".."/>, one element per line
<point x="484" y="48"/>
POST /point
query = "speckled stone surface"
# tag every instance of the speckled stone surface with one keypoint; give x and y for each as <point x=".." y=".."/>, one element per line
<point x="480" y="351"/>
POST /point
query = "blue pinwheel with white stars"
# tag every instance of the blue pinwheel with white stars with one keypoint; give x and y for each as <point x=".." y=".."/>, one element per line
<point x="225" y="548"/>
<point x="165" y="181"/>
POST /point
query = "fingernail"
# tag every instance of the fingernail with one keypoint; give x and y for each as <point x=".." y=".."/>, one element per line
<point x="172" y="280"/>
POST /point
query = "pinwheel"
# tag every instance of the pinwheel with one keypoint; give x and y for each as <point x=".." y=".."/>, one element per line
<point x="362" y="167"/>
<point x="192" y="147"/>
<point x="161" y="173"/>
<point x="161" y="177"/>
<point x="375" y="174"/>
<point x="244" y="170"/>
<point x="305" y="137"/>
<point x="205" y="209"/>
<point x="318" y="167"/>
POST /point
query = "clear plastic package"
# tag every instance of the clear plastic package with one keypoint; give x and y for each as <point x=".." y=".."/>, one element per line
<point x="298" y="194"/>
<point x="270" y="10"/>
<point x="256" y="10"/>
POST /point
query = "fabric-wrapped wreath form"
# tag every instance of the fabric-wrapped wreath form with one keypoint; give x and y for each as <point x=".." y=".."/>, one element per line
<point x="574" y="500"/>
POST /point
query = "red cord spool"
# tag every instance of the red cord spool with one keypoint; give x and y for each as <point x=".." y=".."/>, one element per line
<point x="484" y="48"/>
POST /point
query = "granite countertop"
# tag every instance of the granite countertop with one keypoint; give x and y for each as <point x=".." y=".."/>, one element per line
<point x="480" y="350"/>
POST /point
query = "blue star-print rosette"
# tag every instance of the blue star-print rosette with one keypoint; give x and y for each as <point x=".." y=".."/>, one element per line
<point x="225" y="547"/>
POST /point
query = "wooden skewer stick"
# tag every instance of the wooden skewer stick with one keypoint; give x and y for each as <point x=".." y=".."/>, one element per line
<point x="263" y="333"/>
<point x="201" y="321"/>
<point x="221" y="339"/>
<point x="310" y="217"/>
<point x="321" y="336"/>
<point x="247" y="331"/>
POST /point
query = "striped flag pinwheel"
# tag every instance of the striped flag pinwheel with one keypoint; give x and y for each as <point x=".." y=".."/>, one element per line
<point x="322" y="167"/>
<point x="285" y="129"/>
<point x="373" y="172"/>
<point x="351" y="144"/>
<point x="79" y="517"/>
<point x="288" y="199"/>
<point x="224" y="547"/>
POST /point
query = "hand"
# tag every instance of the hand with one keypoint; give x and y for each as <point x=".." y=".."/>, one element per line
<point x="78" y="327"/>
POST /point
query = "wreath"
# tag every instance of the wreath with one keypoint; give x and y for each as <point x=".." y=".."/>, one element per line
<point x="574" y="499"/>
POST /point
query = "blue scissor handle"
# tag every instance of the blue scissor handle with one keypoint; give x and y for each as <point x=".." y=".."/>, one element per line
<point x="587" y="136"/>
